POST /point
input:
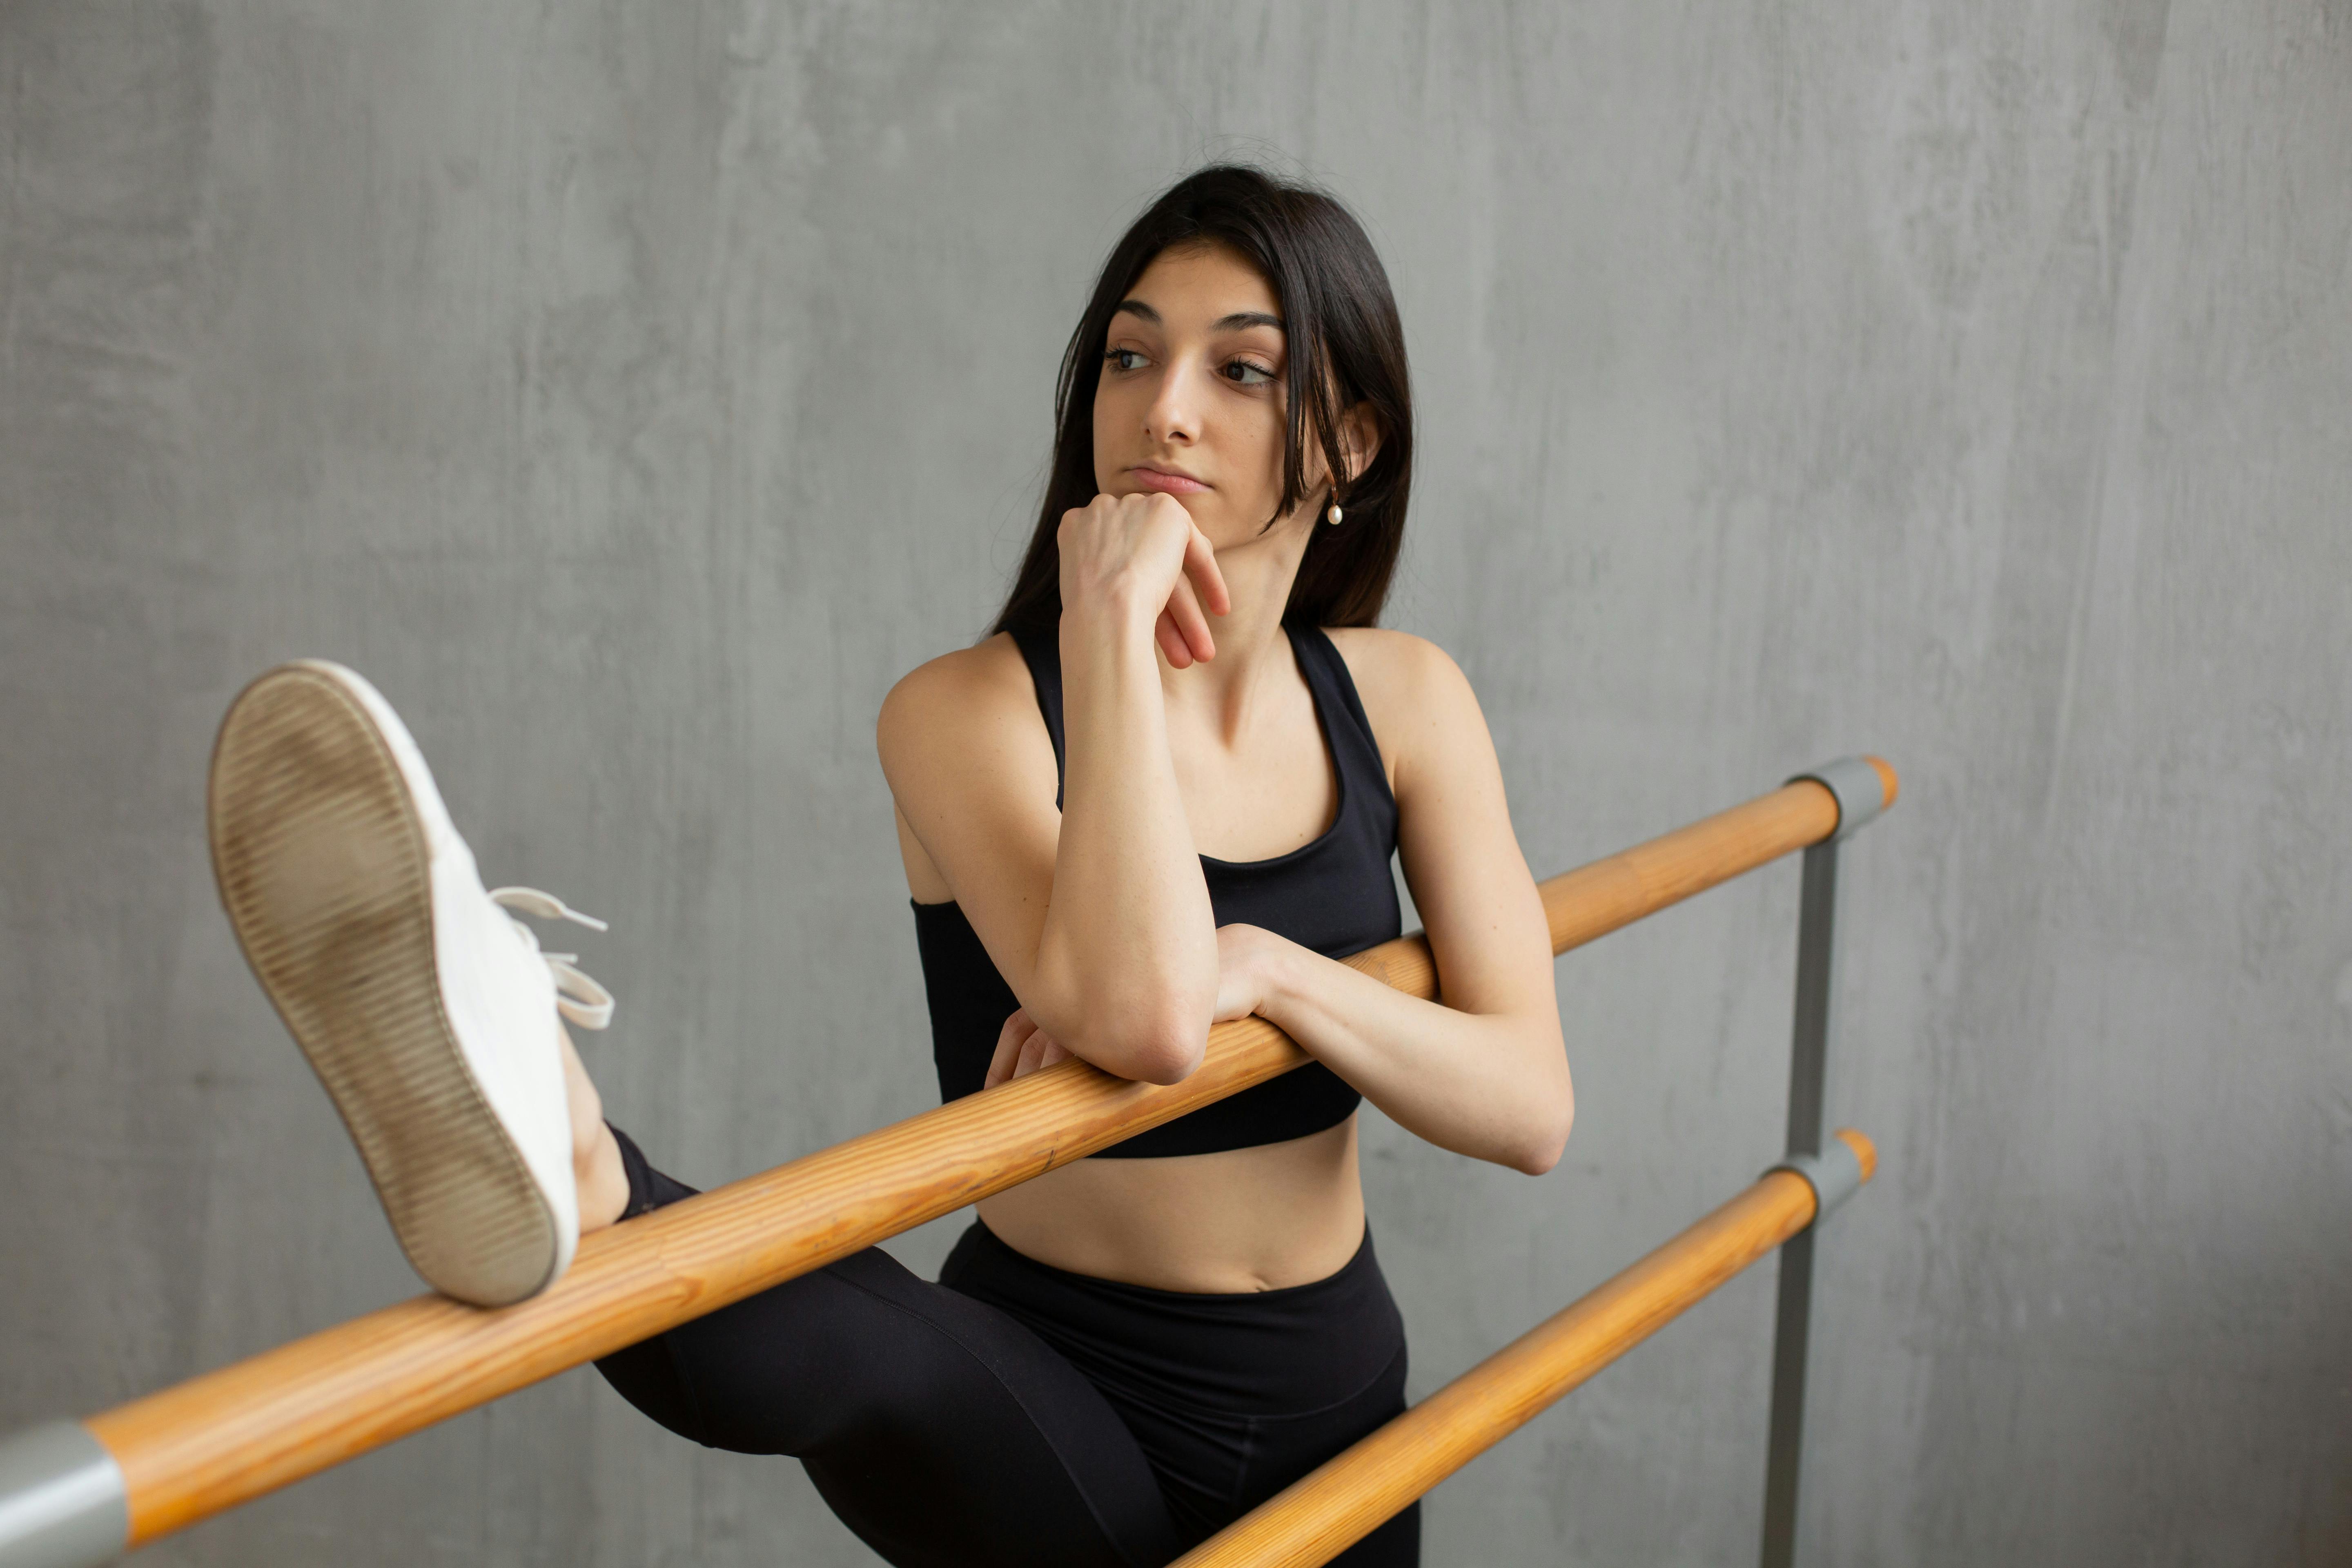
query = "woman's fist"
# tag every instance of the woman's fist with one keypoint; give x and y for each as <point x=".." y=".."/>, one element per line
<point x="1143" y="554"/>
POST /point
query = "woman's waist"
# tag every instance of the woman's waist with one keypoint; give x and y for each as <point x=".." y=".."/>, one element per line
<point x="1197" y="1357"/>
<point x="1272" y="1217"/>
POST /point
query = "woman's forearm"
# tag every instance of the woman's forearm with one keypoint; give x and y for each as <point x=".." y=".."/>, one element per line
<point x="1126" y="960"/>
<point x="1492" y="1086"/>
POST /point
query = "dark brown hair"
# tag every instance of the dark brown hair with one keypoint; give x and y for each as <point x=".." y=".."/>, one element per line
<point x="1346" y="347"/>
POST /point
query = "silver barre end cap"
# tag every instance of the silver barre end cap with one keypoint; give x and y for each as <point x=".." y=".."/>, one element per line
<point x="1834" y="1174"/>
<point x="62" y="1501"/>
<point x="1860" y="793"/>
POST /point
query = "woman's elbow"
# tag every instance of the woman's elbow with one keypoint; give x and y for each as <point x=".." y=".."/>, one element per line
<point x="1550" y="1140"/>
<point x="1155" y="1044"/>
<point x="1169" y="1061"/>
<point x="1154" y="1056"/>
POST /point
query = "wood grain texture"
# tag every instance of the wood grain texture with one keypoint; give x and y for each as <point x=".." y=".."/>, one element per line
<point x="1333" y="1507"/>
<point x="230" y="1436"/>
<point x="1596" y="900"/>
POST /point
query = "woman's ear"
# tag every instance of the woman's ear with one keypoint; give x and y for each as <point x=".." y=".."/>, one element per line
<point x="1359" y="441"/>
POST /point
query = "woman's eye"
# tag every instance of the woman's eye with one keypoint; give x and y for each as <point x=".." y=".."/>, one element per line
<point x="1122" y="359"/>
<point x="1242" y="373"/>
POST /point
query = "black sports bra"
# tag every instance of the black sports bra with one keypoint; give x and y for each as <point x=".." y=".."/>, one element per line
<point x="1334" y="894"/>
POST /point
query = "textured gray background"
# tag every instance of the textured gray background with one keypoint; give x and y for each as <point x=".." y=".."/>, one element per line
<point x="636" y="391"/>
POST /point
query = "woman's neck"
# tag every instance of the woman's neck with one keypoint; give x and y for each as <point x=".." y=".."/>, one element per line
<point x="1250" y="640"/>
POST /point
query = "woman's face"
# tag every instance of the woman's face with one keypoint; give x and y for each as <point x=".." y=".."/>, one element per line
<point x="1190" y="397"/>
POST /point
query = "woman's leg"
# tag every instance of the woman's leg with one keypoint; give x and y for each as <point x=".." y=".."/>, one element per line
<point x="427" y="1011"/>
<point x="939" y="1429"/>
<point x="1230" y="1397"/>
<point x="596" y="1168"/>
<point x="943" y="1431"/>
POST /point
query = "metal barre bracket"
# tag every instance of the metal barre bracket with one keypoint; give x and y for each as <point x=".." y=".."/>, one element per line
<point x="1860" y="793"/>
<point x="1834" y="1174"/>
<point x="62" y="1503"/>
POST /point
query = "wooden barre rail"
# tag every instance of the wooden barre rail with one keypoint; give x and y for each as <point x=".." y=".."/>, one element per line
<point x="1332" y="1508"/>
<point x="230" y="1436"/>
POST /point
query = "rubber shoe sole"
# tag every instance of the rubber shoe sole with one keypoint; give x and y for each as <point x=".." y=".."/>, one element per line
<point x="323" y="867"/>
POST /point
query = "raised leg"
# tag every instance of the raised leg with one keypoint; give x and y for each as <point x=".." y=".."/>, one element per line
<point x="943" y="1432"/>
<point x="596" y="1166"/>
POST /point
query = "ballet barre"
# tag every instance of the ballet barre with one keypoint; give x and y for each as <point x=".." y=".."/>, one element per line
<point x="1342" y="1500"/>
<point x="74" y="1494"/>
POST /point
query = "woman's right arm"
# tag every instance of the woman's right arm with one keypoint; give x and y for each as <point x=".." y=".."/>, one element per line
<point x="1100" y="919"/>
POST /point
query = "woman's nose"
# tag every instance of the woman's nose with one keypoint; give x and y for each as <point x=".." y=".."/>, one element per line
<point x="1173" y="417"/>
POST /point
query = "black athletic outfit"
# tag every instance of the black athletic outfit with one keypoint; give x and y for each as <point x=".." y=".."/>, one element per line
<point x="1018" y="1413"/>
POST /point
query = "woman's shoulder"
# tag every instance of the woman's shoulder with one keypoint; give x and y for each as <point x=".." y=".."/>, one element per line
<point x="991" y="667"/>
<point x="975" y="703"/>
<point x="1415" y="698"/>
<point x="1398" y="676"/>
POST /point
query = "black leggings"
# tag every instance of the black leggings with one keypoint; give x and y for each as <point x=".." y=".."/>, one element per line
<point x="1017" y="1414"/>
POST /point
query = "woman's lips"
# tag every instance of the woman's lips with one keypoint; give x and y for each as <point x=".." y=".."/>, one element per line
<point x="1172" y="484"/>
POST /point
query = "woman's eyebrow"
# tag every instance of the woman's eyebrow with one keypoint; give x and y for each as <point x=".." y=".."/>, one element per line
<point x="1230" y="323"/>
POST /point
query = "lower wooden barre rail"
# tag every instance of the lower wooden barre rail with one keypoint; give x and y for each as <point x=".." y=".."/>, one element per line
<point x="228" y="1436"/>
<point x="1337" y="1505"/>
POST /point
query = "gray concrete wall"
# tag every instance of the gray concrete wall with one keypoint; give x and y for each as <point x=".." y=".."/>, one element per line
<point x="636" y="391"/>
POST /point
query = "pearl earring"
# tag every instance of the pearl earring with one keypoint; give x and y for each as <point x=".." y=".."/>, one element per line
<point x="1333" y="515"/>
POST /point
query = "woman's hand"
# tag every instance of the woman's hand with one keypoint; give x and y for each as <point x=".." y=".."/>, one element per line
<point x="1145" y="553"/>
<point x="1020" y="1049"/>
<point x="1248" y="962"/>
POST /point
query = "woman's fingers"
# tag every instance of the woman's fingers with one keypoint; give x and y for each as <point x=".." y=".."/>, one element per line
<point x="1171" y="641"/>
<point x="1199" y="587"/>
<point x="1022" y="1047"/>
<point x="1018" y="1028"/>
<point x="1183" y="612"/>
<point x="1039" y="1050"/>
<point x="1201" y="567"/>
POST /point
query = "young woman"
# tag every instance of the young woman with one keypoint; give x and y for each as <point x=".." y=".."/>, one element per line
<point x="1164" y="792"/>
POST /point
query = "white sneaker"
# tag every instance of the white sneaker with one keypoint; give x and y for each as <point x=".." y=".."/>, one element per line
<point x="428" y="1013"/>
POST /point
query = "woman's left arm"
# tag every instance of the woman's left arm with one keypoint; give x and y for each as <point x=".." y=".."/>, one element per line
<point x="1484" y="1071"/>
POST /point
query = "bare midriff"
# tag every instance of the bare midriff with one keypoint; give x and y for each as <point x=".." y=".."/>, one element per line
<point x="1240" y="1220"/>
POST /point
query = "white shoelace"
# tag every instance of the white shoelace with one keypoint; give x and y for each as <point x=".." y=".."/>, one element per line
<point x="577" y="997"/>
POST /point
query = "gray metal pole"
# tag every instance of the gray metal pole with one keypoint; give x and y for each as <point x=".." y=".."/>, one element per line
<point x="1792" y="1331"/>
<point x="1861" y="796"/>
